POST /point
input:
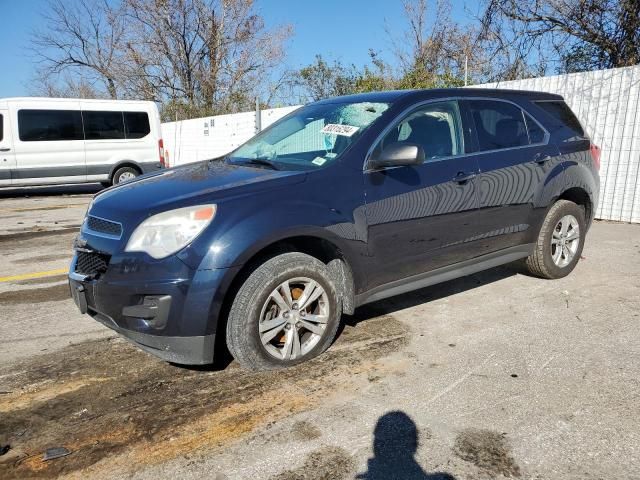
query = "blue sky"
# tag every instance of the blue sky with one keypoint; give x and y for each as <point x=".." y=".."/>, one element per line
<point x="343" y="29"/>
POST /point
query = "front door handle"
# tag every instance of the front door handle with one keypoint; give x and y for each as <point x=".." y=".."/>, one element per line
<point x="463" y="177"/>
<point x="5" y="149"/>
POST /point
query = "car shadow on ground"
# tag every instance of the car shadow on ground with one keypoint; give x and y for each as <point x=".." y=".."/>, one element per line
<point x="395" y="443"/>
<point x="222" y="357"/>
<point x="429" y="294"/>
<point x="50" y="190"/>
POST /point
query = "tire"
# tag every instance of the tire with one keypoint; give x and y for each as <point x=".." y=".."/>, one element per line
<point x="123" y="174"/>
<point x="255" y="305"/>
<point x="541" y="263"/>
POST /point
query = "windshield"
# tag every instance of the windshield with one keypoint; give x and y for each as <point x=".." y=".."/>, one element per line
<point x="310" y="137"/>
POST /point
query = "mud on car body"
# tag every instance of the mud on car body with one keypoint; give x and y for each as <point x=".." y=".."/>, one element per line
<point x="342" y="202"/>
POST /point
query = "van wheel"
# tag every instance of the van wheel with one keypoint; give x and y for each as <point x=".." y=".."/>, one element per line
<point x="286" y="312"/>
<point x="560" y="241"/>
<point x="124" y="174"/>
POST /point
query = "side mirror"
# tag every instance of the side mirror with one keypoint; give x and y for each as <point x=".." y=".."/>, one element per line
<point x="398" y="154"/>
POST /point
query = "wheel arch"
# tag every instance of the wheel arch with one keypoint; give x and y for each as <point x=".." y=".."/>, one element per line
<point x="580" y="197"/>
<point x="315" y="246"/>
<point x="124" y="163"/>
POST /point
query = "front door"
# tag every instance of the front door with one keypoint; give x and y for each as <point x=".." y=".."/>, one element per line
<point x="7" y="156"/>
<point x="422" y="217"/>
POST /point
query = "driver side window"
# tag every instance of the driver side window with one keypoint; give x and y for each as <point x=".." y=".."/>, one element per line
<point x="436" y="127"/>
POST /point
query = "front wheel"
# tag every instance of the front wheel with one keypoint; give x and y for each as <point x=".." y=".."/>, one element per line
<point x="560" y="242"/>
<point x="286" y="312"/>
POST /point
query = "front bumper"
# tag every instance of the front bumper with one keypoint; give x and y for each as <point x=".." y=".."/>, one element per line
<point x="164" y="308"/>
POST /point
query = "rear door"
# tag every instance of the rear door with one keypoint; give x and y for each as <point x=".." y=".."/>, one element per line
<point x="7" y="156"/>
<point x="515" y="157"/>
<point x="49" y="143"/>
<point x="422" y="217"/>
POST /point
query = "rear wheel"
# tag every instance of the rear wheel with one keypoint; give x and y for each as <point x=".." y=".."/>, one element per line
<point x="560" y="241"/>
<point x="124" y="174"/>
<point x="286" y="312"/>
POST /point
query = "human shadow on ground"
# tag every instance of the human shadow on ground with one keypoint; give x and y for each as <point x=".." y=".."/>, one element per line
<point x="396" y="440"/>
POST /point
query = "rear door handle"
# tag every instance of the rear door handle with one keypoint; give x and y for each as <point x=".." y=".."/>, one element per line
<point x="463" y="177"/>
<point x="5" y="149"/>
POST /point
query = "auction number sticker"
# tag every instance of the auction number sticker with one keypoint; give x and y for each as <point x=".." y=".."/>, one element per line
<point x="335" y="129"/>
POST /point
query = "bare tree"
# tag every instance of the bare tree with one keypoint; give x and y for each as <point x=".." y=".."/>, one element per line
<point x="212" y="55"/>
<point x="576" y="34"/>
<point x="195" y="57"/>
<point x="434" y="49"/>
<point x="83" y="36"/>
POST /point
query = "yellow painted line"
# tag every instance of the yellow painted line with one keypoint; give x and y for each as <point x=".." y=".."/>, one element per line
<point x="27" y="276"/>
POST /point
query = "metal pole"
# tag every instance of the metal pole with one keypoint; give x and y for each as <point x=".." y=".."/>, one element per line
<point x="466" y="69"/>
<point x="258" y="117"/>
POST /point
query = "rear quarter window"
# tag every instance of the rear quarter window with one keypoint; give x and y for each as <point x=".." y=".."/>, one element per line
<point x="103" y="125"/>
<point x="560" y="111"/>
<point x="136" y="124"/>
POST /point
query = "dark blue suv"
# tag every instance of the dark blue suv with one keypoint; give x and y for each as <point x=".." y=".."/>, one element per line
<point x="343" y="202"/>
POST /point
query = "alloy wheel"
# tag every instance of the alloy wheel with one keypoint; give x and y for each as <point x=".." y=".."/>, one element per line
<point x="565" y="241"/>
<point x="294" y="318"/>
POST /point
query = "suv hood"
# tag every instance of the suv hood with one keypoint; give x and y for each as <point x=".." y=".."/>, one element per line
<point x="202" y="182"/>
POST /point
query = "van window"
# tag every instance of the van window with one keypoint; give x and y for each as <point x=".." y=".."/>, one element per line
<point x="536" y="133"/>
<point x="136" y="124"/>
<point x="103" y="125"/>
<point x="49" y="125"/>
<point x="499" y="124"/>
<point x="436" y="127"/>
<point x="561" y="111"/>
<point x="1" y="128"/>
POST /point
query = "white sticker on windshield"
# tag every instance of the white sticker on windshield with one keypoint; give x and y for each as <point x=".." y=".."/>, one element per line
<point x="335" y="129"/>
<point x="319" y="161"/>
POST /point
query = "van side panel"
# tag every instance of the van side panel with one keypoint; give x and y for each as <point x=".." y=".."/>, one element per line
<point x="104" y="156"/>
<point x="39" y="158"/>
<point x="7" y="155"/>
<point x="48" y="142"/>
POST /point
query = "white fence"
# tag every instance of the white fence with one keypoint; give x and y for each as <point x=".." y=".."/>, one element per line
<point x="188" y="141"/>
<point x="607" y="102"/>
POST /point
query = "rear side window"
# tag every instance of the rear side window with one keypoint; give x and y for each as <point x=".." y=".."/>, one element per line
<point x="561" y="111"/>
<point x="136" y="124"/>
<point x="103" y="125"/>
<point x="1" y="128"/>
<point x="499" y="124"/>
<point x="49" y="125"/>
<point x="536" y="133"/>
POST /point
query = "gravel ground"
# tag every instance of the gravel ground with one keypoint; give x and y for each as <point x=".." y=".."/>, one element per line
<point x="497" y="375"/>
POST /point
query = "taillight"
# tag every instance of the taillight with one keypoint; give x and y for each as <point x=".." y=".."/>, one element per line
<point x="595" y="154"/>
<point x="161" y="153"/>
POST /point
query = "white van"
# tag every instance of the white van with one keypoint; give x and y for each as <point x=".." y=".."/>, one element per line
<point x="46" y="141"/>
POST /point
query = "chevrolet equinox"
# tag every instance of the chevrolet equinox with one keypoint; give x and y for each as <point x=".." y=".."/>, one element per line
<point x="343" y="202"/>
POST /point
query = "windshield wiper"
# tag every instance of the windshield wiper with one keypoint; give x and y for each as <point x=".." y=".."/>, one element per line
<point x="261" y="161"/>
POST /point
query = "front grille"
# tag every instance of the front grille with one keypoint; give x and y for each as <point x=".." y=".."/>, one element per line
<point x="100" y="225"/>
<point x="91" y="263"/>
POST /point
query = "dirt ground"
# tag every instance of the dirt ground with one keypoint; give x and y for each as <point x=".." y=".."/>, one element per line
<point x="497" y="375"/>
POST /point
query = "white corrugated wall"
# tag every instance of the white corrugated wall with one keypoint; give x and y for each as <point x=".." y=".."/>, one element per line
<point x="188" y="141"/>
<point x="607" y="102"/>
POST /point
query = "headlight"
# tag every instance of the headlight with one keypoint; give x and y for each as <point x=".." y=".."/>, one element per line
<point x="168" y="232"/>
